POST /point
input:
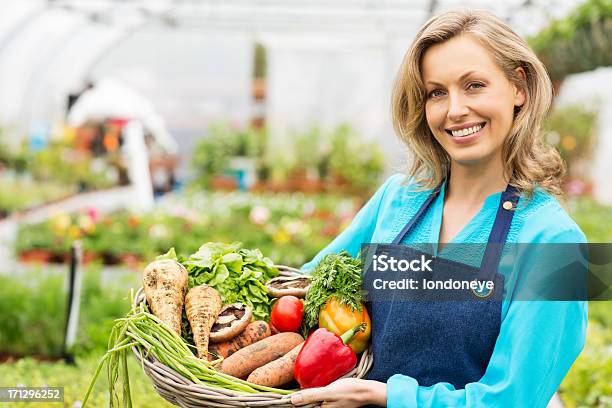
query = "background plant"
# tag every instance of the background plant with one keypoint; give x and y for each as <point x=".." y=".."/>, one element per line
<point x="578" y="43"/>
<point x="291" y="231"/>
<point x="341" y="152"/>
<point x="572" y="131"/>
<point x="31" y="192"/>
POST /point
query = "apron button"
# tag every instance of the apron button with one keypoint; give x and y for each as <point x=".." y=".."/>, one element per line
<point x="507" y="205"/>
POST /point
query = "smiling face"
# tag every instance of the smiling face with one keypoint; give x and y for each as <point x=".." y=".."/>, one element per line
<point x="470" y="102"/>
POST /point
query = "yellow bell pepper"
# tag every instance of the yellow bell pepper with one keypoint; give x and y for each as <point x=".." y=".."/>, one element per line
<point x="338" y="318"/>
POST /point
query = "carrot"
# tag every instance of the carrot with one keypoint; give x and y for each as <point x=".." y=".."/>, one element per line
<point x="277" y="372"/>
<point x="164" y="283"/>
<point x="244" y="361"/>
<point x="202" y="305"/>
<point x="254" y="332"/>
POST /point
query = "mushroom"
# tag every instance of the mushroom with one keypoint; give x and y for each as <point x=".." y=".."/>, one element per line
<point x="284" y="286"/>
<point x="232" y="321"/>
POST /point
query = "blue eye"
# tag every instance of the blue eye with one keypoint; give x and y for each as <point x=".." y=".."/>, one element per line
<point x="435" y="93"/>
<point x="475" y="85"/>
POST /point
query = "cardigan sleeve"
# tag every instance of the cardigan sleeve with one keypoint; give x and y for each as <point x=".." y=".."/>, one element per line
<point x="360" y="229"/>
<point x="537" y="344"/>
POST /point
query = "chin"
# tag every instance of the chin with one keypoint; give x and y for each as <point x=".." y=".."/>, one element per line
<point x="472" y="158"/>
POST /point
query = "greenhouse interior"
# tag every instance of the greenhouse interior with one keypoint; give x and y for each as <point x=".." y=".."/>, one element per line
<point x="132" y="130"/>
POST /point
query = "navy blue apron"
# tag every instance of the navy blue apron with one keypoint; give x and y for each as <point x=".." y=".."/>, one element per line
<point x="442" y="341"/>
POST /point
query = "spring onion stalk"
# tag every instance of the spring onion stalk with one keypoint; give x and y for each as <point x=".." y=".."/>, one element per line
<point x="145" y="332"/>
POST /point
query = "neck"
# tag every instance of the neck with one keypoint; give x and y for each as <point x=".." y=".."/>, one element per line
<point x="471" y="184"/>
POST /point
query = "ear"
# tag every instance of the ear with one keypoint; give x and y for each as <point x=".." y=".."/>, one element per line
<point x="519" y="92"/>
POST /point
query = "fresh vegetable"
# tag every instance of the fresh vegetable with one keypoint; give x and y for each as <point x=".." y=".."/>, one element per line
<point x="202" y="305"/>
<point x="288" y="286"/>
<point x="325" y="357"/>
<point x="237" y="273"/>
<point x="151" y="336"/>
<point x="164" y="283"/>
<point x="232" y="321"/>
<point x="254" y="332"/>
<point x="337" y="275"/>
<point x="277" y="372"/>
<point x="244" y="361"/>
<point x="338" y="318"/>
<point x="287" y="314"/>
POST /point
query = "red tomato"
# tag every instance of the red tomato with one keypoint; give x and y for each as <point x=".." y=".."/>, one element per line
<point x="287" y="314"/>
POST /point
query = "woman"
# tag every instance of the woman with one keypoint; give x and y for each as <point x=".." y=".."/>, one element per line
<point x="468" y="101"/>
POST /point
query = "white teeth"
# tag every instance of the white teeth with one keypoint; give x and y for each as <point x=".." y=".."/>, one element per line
<point x="466" y="131"/>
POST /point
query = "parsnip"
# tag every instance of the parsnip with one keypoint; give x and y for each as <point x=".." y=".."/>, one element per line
<point x="202" y="305"/>
<point x="165" y="282"/>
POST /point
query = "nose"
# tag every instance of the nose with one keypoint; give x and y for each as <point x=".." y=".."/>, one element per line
<point x="456" y="107"/>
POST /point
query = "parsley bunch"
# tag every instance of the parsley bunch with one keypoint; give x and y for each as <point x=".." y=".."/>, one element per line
<point x="337" y="275"/>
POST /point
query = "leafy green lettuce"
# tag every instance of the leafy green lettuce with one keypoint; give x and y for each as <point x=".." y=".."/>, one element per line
<point x="237" y="273"/>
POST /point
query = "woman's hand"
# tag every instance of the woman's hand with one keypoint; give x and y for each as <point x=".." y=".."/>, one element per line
<point x="344" y="393"/>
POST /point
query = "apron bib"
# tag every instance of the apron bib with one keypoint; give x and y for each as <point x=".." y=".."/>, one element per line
<point x="442" y="341"/>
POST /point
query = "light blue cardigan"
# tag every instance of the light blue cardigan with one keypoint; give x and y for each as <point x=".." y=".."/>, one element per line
<point x="538" y="340"/>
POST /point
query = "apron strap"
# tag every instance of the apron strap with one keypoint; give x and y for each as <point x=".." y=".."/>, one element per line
<point x="398" y="239"/>
<point x="499" y="232"/>
<point x="497" y="237"/>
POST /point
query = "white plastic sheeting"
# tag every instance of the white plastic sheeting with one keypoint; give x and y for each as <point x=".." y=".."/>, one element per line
<point x="327" y="81"/>
<point x="331" y="81"/>
<point x="191" y="78"/>
<point x="329" y="61"/>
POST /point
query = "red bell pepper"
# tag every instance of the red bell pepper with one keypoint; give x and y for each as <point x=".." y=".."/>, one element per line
<point x="325" y="357"/>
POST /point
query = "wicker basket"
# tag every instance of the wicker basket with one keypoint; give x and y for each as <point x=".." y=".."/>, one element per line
<point x="182" y="392"/>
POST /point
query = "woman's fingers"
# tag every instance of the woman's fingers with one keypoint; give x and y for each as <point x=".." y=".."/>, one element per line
<point x="309" y="396"/>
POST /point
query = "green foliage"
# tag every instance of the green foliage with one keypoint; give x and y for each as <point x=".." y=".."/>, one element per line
<point x="341" y="153"/>
<point x="311" y="150"/>
<point x="13" y="157"/>
<point x="574" y="132"/>
<point x="591" y="216"/>
<point x="33" y="305"/>
<point x="213" y="152"/>
<point x="237" y="273"/>
<point x="588" y="382"/>
<point x="295" y="229"/>
<point x="31" y="193"/>
<point x="358" y="162"/>
<point x="32" y="314"/>
<point x="37" y="236"/>
<point x="59" y="162"/>
<point x="260" y="66"/>
<point x="101" y="304"/>
<point x="577" y="43"/>
<point x="337" y="275"/>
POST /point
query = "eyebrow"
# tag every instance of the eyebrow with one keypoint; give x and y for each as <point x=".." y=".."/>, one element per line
<point x="461" y="78"/>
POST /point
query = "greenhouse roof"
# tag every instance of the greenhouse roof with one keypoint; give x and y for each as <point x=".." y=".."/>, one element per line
<point x="49" y="48"/>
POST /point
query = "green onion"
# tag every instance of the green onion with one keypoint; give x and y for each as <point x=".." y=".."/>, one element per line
<point x="151" y="337"/>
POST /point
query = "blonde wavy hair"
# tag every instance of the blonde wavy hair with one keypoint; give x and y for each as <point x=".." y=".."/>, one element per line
<point x="528" y="160"/>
